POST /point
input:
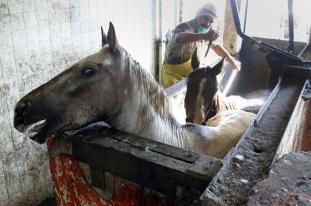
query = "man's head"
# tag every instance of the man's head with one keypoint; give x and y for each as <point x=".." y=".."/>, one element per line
<point x="206" y="14"/>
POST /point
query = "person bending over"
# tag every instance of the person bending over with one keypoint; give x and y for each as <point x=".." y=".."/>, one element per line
<point x="188" y="36"/>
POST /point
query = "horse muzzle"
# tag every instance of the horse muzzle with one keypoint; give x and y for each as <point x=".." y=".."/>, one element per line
<point x="25" y="121"/>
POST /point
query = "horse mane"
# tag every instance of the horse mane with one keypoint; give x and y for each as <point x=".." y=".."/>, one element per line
<point x="154" y="93"/>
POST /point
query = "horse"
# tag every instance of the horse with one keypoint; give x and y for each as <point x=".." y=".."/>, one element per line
<point x="201" y="89"/>
<point x="203" y="100"/>
<point x="111" y="86"/>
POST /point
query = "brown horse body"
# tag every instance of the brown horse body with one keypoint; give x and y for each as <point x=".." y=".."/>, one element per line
<point x="202" y="99"/>
<point x="110" y="86"/>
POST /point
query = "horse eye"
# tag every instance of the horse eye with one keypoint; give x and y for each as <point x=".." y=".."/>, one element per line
<point x="87" y="71"/>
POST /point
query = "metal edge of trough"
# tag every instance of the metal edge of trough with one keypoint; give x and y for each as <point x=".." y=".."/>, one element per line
<point x="251" y="159"/>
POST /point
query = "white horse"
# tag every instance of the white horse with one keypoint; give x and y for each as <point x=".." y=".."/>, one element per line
<point x="110" y="86"/>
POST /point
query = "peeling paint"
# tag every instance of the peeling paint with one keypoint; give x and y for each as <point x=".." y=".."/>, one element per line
<point x="70" y="185"/>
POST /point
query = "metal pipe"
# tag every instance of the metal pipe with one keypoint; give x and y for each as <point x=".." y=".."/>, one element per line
<point x="236" y="18"/>
<point x="245" y="16"/>
<point x="181" y="6"/>
<point x="159" y="38"/>
<point x="290" y="47"/>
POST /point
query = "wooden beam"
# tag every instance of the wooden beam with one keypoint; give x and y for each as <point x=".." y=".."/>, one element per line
<point x="250" y="161"/>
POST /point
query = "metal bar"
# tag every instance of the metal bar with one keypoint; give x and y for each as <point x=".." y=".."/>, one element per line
<point x="236" y="18"/>
<point x="157" y="33"/>
<point x="245" y="16"/>
<point x="181" y="6"/>
<point x="290" y="47"/>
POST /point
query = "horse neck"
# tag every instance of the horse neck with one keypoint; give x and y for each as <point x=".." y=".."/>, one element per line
<point x="147" y="112"/>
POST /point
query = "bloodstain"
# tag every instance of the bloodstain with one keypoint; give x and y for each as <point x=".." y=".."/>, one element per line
<point x="71" y="188"/>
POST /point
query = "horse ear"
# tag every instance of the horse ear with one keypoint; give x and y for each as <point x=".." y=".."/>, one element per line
<point x="195" y="62"/>
<point x="217" y="69"/>
<point x="112" y="39"/>
<point x="104" y="37"/>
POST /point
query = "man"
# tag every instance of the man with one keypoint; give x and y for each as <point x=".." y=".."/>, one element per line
<point x="186" y="38"/>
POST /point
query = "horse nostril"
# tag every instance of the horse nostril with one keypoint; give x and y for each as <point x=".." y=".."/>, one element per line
<point x="21" y="109"/>
<point x="19" y="115"/>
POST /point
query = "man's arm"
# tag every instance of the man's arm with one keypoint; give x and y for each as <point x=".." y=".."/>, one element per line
<point x="187" y="37"/>
<point x="221" y="51"/>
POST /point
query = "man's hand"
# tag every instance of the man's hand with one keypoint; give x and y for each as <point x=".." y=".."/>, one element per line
<point x="236" y="65"/>
<point x="211" y="35"/>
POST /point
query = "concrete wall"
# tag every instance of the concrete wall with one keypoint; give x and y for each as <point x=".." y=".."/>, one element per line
<point x="39" y="39"/>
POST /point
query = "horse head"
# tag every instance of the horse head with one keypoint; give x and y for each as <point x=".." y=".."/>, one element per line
<point x="201" y="100"/>
<point x="60" y="104"/>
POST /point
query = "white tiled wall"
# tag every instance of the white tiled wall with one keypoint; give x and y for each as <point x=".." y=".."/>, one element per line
<point x="39" y="39"/>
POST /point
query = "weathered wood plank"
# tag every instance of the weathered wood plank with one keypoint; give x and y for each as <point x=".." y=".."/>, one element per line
<point x="249" y="162"/>
<point x="152" y="164"/>
<point x="293" y="135"/>
<point x="306" y="138"/>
